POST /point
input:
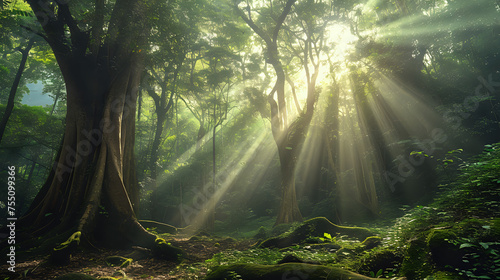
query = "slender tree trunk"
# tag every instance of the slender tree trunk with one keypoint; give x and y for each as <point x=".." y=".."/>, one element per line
<point x="160" y="121"/>
<point x="15" y="85"/>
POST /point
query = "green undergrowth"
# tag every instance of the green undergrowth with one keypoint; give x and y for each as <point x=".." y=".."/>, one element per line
<point x="457" y="236"/>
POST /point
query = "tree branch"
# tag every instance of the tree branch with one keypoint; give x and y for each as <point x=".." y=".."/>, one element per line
<point x="251" y="23"/>
<point x="281" y="19"/>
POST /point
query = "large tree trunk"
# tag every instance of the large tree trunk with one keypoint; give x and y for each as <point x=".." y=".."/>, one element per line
<point x="92" y="189"/>
<point x="289" y="209"/>
<point x="95" y="165"/>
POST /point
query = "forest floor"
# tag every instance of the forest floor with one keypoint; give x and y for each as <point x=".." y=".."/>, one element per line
<point x="454" y="237"/>
<point x="93" y="262"/>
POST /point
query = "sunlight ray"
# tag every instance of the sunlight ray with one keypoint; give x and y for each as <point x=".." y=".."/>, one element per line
<point x="226" y="177"/>
<point x="482" y="13"/>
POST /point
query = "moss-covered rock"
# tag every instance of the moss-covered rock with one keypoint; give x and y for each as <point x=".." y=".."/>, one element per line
<point x="76" y="276"/>
<point x="165" y="251"/>
<point x="443" y="251"/>
<point x="282" y="271"/>
<point x="385" y="259"/>
<point x="315" y="227"/>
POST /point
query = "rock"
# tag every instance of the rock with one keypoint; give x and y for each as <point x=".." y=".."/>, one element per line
<point x="283" y="271"/>
<point x="314" y="227"/>
<point x="442" y="250"/>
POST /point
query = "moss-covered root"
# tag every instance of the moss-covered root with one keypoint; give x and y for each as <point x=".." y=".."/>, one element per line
<point x="61" y="254"/>
<point x="160" y="227"/>
<point x="283" y="271"/>
<point x="315" y="227"/>
<point x="165" y="251"/>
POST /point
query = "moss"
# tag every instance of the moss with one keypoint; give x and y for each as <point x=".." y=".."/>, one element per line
<point x="282" y="271"/>
<point x="280" y="229"/>
<point x="75" y="276"/>
<point x="165" y="251"/>
<point x="315" y="227"/>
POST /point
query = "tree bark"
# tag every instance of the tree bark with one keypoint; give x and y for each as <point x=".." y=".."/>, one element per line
<point x="94" y="169"/>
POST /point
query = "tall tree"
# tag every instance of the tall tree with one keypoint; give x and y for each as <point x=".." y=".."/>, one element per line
<point x="100" y="57"/>
<point x="287" y="137"/>
<point x="12" y="94"/>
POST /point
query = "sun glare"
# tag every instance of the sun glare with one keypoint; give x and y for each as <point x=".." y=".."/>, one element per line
<point x="342" y="41"/>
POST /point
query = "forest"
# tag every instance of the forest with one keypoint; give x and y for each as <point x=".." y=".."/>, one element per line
<point x="250" y="139"/>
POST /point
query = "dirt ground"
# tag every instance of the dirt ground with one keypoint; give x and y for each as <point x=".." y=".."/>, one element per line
<point x="92" y="262"/>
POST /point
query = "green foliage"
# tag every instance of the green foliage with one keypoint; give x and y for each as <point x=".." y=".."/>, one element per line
<point x="328" y="238"/>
